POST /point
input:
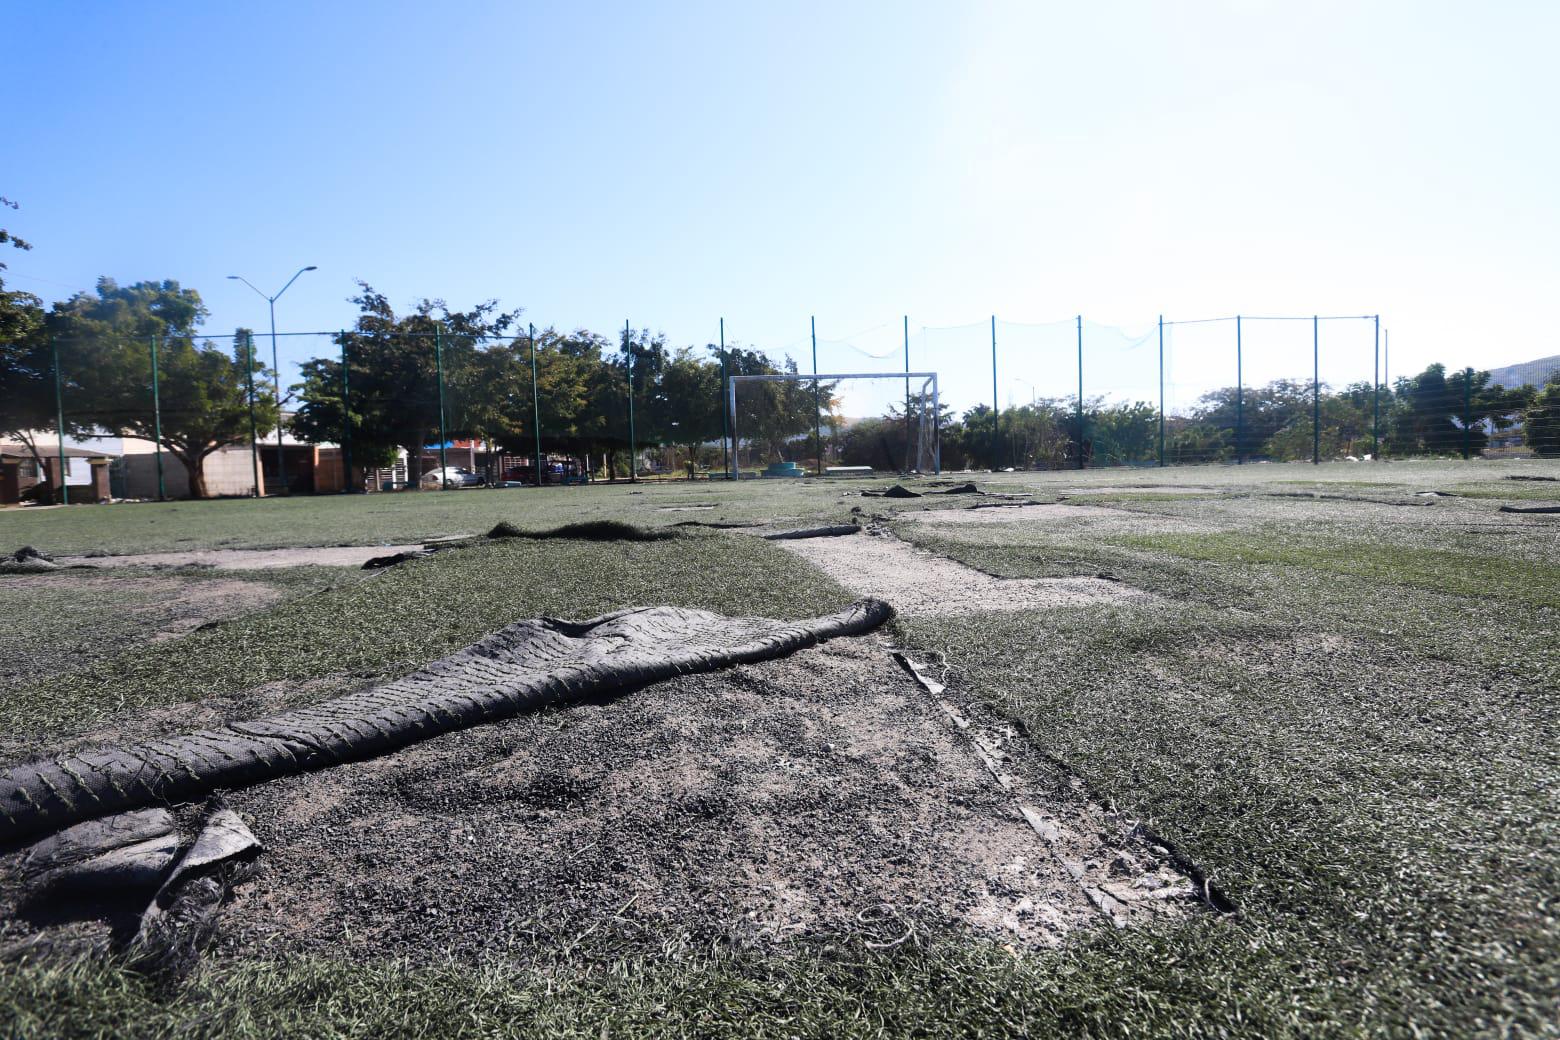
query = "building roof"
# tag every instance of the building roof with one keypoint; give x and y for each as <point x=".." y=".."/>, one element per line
<point x="51" y="451"/>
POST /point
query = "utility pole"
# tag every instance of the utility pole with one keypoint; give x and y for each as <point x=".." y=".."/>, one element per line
<point x="276" y="375"/>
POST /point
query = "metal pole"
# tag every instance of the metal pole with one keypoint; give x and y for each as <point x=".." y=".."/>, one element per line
<point x="996" y="414"/>
<point x="725" y="411"/>
<point x="1467" y="414"/>
<point x="633" y="468"/>
<point x="1316" y="392"/>
<point x="254" y="433"/>
<point x="536" y="406"/>
<point x="276" y="378"/>
<point x="1375" y="401"/>
<point x="1161" y="390"/>
<point x="936" y="427"/>
<point x="444" y="441"/>
<point x="818" y="396"/>
<point x="736" y="461"/>
<point x="59" y="418"/>
<point x="162" y="487"/>
<point x="907" y="394"/>
<point x="346" y="418"/>
<point x="1240" y="400"/>
<point x="1080" y="391"/>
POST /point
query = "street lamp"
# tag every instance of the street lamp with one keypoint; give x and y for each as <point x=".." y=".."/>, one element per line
<point x="276" y="369"/>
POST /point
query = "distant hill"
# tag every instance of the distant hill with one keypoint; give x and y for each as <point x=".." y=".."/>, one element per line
<point x="1528" y="373"/>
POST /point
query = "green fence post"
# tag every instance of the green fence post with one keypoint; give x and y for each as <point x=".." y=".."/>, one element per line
<point x="812" y="322"/>
<point x="254" y="433"/>
<point x="162" y="488"/>
<point x="996" y="410"/>
<point x="1080" y="391"/>
<point x="1316" y="392"/>
<point x="346" y="419"/>
<point x="725" y="409"/>
<point x="444" y="440"/>
<point x="59" y="417"/>
<point x="1467" y="414"/>
<point x="633" y="469"/>
<point x="907" y="394"/>
<point x="1375" y="401"/>
<point x="1240" y="400"/>
<point x="1161" y="390"/>
<point x="536" y="405"/>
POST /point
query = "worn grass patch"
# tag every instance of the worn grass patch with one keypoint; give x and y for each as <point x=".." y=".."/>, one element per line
<point x="390" y="624"/>
<point x="1485" y="576"/>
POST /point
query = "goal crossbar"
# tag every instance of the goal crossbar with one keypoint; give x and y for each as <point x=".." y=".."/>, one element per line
<point x="803" y="377"/>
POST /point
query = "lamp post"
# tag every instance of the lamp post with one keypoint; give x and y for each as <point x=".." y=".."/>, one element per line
<point x="276" y="368"/>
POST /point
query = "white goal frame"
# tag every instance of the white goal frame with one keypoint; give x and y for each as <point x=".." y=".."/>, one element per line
<point x="816" y="377"/>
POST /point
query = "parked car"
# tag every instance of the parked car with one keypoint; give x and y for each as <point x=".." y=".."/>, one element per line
<point x="453" y="476"/>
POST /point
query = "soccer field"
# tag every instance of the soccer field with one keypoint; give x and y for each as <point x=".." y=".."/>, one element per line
<point x="1258" y="750"/>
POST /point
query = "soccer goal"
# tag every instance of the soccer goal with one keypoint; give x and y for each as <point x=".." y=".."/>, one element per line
<point x="922" y="449"/>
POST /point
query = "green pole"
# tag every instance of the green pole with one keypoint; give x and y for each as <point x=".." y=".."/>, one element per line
<point x="162" y="488"/>
<point x="1467" y="414"/>
<point x="444" y="451"/>
<point x="996" y="413"/>
<point x="1375" y="401"/>
<point x="1161" y="390"/>
<point x="725" y="410"/>
<point x="536" y="406"/>
<point x="818" y="397"/>
<point x="1240" y="400"/>
<point x="254" y="433"/>
<point x="628" y="349"/>
<point x="59" y="416"/>
<point x="1316" y="392"/>
<point x="907" y="393"/>
<point x="346" y="419"/>
<point x="1080" y="391"/>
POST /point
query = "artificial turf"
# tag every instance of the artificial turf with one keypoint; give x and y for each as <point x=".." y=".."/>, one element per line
<point x="1347" y="712"/>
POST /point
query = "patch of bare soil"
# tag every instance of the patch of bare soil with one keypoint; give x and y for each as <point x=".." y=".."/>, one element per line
<point x="247" y="559"/>
<point x="820" y="795"/>
<point x="915" y="581"/>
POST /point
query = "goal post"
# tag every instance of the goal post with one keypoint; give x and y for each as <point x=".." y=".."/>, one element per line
<point x="929" y="440"/>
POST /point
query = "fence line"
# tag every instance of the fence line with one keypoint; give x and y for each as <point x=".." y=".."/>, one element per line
<point x="1026" y="350"/>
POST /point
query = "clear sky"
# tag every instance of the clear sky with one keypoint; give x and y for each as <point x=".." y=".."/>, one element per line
<point x="676" y="163"/>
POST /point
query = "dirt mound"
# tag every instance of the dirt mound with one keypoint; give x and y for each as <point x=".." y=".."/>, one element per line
<point x="590" y="531"/>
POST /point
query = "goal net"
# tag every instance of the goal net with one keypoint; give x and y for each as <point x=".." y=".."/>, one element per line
<point x="847" y="422"/>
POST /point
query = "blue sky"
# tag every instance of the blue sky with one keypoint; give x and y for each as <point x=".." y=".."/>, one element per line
<point x="676" y="163"/>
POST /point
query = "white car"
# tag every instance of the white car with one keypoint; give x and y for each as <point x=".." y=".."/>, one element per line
<point x="451" y="476"/>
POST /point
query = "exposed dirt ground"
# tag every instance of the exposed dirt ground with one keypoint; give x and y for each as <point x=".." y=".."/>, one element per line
<point x="876" y="563"/>
<point x="821" y="794"/>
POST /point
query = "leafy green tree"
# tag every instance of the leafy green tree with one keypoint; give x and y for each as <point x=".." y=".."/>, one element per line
<point x="1541" y="420"/>
<point x="1124" y="434"/>
<point x="393" y="378"/>
<point x="104" y="339"/>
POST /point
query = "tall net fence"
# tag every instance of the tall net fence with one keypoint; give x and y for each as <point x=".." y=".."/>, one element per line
<point x="383" y="406"/>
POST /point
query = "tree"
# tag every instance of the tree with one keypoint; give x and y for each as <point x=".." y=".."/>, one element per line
<point x="26" y="365"/>
<point x="392" y="367"/>
<point x="1541" y="420"/>
<point x="104" y="340"/>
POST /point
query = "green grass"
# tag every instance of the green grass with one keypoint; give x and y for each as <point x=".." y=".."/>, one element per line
<point x="1349" y="714"/>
